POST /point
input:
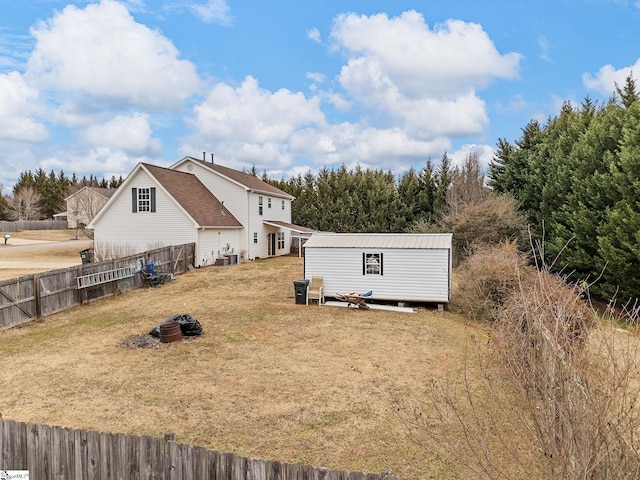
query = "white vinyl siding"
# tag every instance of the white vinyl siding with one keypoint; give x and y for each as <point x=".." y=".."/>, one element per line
<point x="212" y="244"/>
<point x="244" y="205"/>
<point x="121" y="230"/>
<point x="408" y="274"/>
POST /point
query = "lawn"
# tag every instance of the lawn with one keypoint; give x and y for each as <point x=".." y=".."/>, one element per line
<point x="267" y="379"/>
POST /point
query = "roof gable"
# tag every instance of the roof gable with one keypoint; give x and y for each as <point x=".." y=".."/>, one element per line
<point x="244" y="179"/>
<point x="101" y="191"/>
<point x="189" y="192"/>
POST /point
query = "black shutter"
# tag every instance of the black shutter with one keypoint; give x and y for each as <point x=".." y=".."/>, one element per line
<point x="153" y="199"/>
<point x="134" y="200"/>
<point x="364" y="263"/>
<point x="381" y="263"/>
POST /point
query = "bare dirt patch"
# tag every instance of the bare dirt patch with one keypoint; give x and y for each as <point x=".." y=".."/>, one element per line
<point x="267" y="378"/>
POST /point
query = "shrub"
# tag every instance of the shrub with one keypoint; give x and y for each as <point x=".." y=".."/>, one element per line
<point x="485" y="279"/>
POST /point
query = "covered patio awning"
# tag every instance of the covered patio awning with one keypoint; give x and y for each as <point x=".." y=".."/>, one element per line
<point x="289" y="226"/>
<point x="302" y="232"/>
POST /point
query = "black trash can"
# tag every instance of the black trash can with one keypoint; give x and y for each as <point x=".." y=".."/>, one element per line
<point x="86" y="255"/>
<point x="300" y="288"/>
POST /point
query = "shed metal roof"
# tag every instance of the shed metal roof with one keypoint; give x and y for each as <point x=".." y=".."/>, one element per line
<point x="380" y="240"/>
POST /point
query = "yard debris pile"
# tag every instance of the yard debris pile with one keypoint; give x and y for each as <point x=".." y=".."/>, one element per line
<point x="140" y="341"/>
<point x="189" y="326"/>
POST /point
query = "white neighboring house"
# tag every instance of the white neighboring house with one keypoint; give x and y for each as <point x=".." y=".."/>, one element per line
<point x="223" y="211"/>
<point x="395" y="266"/>
<point x="84" y="204"/>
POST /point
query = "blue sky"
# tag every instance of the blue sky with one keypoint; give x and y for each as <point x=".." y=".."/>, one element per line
<point x="93" y="88"/>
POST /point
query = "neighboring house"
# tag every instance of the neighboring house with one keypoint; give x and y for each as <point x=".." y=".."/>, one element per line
<point x="223" y="211"/>
<point x="85" y="204"/>
<point x="395" y="266"/>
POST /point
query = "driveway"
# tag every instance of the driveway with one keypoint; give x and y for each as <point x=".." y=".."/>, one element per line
<point x="29" y="246"/>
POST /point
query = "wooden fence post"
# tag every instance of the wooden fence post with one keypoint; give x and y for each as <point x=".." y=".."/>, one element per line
<point x="36" y="296"/>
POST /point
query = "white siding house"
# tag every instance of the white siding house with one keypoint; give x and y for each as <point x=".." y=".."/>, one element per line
<point x="397" y="267"/>
<point x="85" y="203"/>
<point x="257" y="205"/>
<point x="216" y="207"/>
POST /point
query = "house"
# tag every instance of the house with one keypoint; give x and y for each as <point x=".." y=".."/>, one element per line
<point x="84" y="204"/>
<point x="222" y="210"/>
<point x="396" y="267"/>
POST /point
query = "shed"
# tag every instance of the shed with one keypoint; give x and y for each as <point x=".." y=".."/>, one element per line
<point x="395" y="266"/>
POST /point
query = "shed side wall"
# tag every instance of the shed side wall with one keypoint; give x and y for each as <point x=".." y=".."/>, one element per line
<point x="417" y="275"/>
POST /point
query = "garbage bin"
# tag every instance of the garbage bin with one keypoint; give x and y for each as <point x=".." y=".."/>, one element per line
<point x="86" y="255"/>
<point x="300" y="288"/>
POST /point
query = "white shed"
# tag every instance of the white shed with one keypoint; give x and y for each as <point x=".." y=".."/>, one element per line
<point x="395" y="266"/>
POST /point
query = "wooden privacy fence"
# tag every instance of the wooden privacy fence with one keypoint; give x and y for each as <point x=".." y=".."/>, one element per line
<point x="35" y="296"/>
<point x="56" y="452"/>
<point x="33" y="225"/>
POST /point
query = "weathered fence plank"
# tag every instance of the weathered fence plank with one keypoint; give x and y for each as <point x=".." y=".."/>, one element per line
<point x="65" y="453"/>
<point x="35" y="296"/>
<point x="33" y="225"/>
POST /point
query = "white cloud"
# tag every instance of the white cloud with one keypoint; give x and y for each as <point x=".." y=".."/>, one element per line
<point x="251" y="124"/>
<point x="424" y="80"/>
<point x="314" y="34"/>
<point x="454" y="57"/>
<point x="101" y="52"/>
<point x="17" y="106"/>
<point x="214" y="11"/>
<point x="108" y="161"/>
<point x="316" y="76"/>
<point x="132" y="134"/>
<point x="485" y="154"/>
<point x="607" y="77"/>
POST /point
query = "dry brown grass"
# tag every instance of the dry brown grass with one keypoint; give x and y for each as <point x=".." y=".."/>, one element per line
<point x="267" y="379"/>
<point x="15" y="262"/>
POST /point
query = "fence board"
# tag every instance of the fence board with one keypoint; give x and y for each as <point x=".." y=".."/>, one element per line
<point x="35" y="296"/>
<point x="65" y="453"/>
<point x="33" y="225"/>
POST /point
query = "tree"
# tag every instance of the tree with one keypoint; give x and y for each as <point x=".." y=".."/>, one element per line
<point x="24" y="204"/>
<point x="467" y="184"/>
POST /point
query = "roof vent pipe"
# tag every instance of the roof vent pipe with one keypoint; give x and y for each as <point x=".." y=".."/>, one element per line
<point x="212" y="158"/>
<point x="204" y="156"/>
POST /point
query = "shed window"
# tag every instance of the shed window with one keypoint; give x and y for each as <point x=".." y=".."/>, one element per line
<point x="143" y="199"/>
<point x="372" y="263"/>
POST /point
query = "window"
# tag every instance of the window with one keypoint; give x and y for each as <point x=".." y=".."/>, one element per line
<point x="143" y="199"/>
<point x="259" y="205"/>
<point x="269" y="202"/>
<point x="255" y="237"/>
<point x="280" y="240"/>
<point x="372" y="263"/>
<point x="282" y="204"/>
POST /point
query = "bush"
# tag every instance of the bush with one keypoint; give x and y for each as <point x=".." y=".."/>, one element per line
<point x="485" y="279"/>
<point x="489" y="222"/>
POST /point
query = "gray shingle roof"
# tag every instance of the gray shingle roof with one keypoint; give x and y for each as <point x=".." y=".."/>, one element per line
<point x="194" y="197"/>
<point x="244" y="178"/>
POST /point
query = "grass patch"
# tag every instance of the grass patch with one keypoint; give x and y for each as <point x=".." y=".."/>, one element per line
<point x="267" y="379"/>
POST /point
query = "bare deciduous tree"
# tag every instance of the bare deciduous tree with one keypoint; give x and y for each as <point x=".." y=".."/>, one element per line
<point x="24" y="204"/>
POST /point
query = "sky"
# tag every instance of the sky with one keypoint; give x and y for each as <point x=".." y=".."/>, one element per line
<point x="285" y="86"/>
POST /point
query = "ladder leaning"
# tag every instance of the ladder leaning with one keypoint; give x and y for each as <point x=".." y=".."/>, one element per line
<point x="107" y="276"/>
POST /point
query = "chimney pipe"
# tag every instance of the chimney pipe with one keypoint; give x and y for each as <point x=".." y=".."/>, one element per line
<point x="204" y="156"/>
<point x="212" y="158"/>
